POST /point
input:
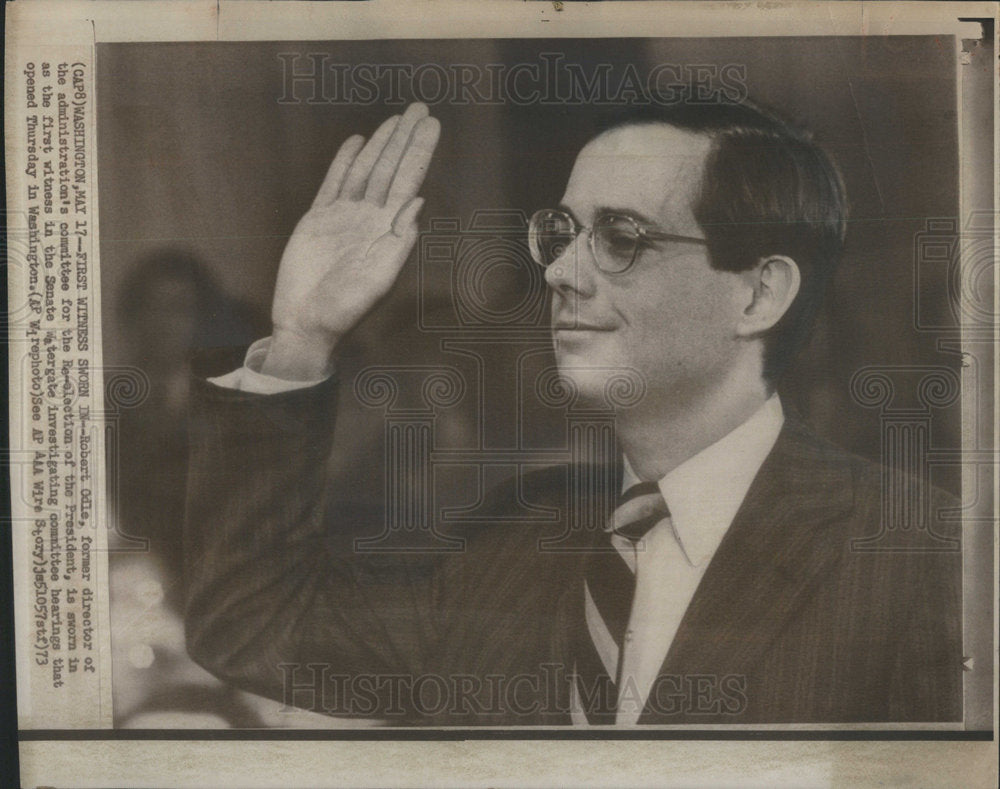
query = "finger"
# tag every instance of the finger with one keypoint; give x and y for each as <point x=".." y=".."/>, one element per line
<point x="357" y="175"/>
<point x="330" y="187"/>
<point x="406" y="217"/>
<point x="392" y="249"/>
<point x="413" y="168"/>
<point x="388" y="162"/>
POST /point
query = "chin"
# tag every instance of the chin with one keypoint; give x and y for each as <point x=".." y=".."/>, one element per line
<point x="586" y="384"/>
<point x="599" y="383"/>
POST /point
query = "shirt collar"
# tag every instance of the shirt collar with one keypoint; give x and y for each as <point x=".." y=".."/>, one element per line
<point x="705" y="491"/>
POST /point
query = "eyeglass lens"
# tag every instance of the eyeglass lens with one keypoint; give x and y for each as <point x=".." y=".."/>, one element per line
<point x="549" y="234"/>
<point x="615" y="239"/>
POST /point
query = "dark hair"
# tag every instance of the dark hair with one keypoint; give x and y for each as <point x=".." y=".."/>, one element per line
<point x="767" y="189"/>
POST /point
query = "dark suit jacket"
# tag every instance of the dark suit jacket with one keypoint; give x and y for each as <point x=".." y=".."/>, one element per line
<point x="789" y="624"/>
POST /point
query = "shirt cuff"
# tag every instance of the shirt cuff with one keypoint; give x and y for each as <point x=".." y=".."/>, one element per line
<point x="248" y="378"/>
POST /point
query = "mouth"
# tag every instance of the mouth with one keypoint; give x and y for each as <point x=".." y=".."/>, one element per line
<point x="565" y="326"/>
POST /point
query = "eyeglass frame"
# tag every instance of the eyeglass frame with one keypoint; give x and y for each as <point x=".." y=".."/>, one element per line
<point x="643" y="233"/>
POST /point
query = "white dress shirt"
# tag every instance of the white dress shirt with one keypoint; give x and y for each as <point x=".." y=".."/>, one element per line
<point x="248" y="378"/>
<point x="703" y="494"/>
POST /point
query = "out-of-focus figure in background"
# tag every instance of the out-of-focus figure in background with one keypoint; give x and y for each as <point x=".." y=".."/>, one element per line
<point x="169" y="306"/>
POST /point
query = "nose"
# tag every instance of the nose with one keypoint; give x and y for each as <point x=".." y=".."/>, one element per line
<point x="573" y="271"/>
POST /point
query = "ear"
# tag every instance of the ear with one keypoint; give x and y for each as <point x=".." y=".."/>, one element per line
<point x="773" y="283"/>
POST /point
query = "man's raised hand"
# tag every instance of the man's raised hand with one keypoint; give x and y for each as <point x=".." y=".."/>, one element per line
<point x="348" y="249"/>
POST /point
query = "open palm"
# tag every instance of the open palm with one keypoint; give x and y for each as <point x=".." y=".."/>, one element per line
<point x="348" y="249"/>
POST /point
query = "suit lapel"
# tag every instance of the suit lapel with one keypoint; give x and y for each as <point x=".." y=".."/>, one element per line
<point x="569" y="634"/>
<point x="775" y="553"/>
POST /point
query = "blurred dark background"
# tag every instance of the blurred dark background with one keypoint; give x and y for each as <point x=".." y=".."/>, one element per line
<point x="204" y="173"/>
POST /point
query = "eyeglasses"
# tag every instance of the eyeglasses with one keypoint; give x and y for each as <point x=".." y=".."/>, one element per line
<point x="616" y="240"/>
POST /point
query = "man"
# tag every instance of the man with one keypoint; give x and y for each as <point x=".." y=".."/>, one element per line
<point x="691" y="249"/>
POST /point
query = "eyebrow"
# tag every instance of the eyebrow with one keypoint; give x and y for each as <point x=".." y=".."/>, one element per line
<point x="568" y="210"/>
<point x="601" y="210"/>
<point x="639" y="217"/>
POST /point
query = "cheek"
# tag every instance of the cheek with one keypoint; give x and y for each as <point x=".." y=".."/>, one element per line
<point x="678" y="308"/>
<point x="691" y="315"/>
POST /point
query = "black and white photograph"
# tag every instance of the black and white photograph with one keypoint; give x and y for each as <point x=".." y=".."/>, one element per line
<point x="572" y="388"/>
<point x="551" y="382"/>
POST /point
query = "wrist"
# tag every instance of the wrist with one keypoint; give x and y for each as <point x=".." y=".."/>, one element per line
<point x="298" y="356"/>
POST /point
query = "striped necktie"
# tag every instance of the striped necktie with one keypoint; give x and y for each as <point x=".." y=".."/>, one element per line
<point x="609" y="587"/>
